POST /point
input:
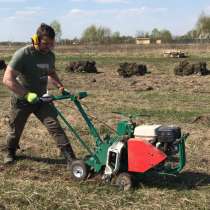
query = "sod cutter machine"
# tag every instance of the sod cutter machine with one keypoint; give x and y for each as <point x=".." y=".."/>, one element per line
<point x="131" y="151"/>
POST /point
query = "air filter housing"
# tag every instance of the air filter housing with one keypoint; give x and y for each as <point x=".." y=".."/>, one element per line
<point x="168" y="134"/>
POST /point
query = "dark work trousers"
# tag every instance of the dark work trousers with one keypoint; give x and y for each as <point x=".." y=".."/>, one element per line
<point x="19" y="113"/>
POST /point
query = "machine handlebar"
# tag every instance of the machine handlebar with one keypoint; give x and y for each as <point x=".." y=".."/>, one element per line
<point x="125" y="114"/>
<point x="70" y="96"/>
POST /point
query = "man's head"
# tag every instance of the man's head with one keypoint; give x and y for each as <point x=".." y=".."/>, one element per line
<point x="44" y="39"/>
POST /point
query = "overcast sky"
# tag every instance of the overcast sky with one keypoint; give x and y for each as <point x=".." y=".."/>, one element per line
<point x="20" y="18"/>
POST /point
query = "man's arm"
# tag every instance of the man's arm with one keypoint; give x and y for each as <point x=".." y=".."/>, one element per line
<point x="10" y="81"/>
<point x="53" y="77"/>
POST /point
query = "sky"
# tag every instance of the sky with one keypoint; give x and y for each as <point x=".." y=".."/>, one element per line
<point x="19" y="19"/>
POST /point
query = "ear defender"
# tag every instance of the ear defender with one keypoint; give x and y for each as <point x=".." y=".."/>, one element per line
<point x="35" y="41"/>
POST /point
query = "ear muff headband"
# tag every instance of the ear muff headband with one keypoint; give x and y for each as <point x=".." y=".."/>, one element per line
<point x="35" y="41"/>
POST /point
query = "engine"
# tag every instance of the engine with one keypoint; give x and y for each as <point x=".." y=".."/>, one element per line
<point x="165" y="138"/>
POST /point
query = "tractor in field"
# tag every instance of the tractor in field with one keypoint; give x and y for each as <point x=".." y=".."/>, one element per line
<point x="131" y="151"/>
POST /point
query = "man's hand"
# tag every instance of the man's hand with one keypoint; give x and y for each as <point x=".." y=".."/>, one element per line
<point x="32" y="98"/>
<point x="64" y="91"/>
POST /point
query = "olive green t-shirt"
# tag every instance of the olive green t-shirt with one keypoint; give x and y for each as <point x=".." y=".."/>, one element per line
<point x="33" y="67"/>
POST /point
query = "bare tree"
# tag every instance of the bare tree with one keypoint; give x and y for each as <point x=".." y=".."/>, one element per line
<point x="203" y="26"/>
<point x="90" y="34"/>
<point x="57" y="27"/>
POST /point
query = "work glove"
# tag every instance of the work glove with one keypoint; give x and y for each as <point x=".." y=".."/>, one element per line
<point x="64" y="91"/>
<point x="31" y="98"/>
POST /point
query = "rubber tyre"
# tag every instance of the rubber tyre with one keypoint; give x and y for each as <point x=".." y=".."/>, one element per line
<point x="124" y="181"/>
<point x="78" y="170"/>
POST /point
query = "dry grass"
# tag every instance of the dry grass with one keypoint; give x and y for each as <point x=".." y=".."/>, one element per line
<point x="39" y="179"/>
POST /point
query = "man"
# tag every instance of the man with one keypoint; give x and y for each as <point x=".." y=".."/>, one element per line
<point x="26" y="76"/>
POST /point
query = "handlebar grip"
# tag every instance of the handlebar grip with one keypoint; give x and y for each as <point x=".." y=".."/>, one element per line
<point x="46" y="99"/>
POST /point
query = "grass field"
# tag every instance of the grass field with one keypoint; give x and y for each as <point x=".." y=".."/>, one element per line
<point x="39" y="179"/>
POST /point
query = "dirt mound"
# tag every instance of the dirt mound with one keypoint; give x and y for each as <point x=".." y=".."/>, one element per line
<point x="2" y="64"/>
<point x="200" y="68"/>
<point x="185" y="68"/>
<point x="130" y="69"/>
<point x="204" y="120"/>
<point x="82" y="66"/>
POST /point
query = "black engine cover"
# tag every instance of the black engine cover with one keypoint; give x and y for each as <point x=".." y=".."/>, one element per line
<point x="168" y="134"/>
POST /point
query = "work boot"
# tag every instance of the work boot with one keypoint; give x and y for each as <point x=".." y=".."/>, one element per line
<point x="68" y="153"/>
<point x="9" y="157"/>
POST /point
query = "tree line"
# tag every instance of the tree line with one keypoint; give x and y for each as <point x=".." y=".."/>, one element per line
<point x="201" y="29"/>
<point x="104" y="35"/>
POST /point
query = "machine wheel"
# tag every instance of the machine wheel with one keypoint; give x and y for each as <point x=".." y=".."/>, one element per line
<point x="124" y="181"/>
<point x="79" y="170"/>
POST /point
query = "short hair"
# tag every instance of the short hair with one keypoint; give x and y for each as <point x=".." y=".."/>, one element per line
<point x="45" y="30"/>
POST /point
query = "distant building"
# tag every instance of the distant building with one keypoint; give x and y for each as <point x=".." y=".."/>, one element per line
<point x="158" y="41"/>
<point x="143" y="40"/>
<point x="75" y="42"/>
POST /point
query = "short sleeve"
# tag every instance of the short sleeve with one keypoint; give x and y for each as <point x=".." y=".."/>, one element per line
<point x="52" y="64"/>
<point x="17" y="61"/>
